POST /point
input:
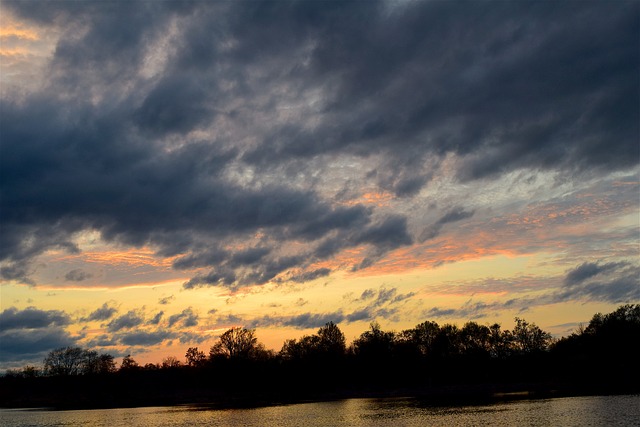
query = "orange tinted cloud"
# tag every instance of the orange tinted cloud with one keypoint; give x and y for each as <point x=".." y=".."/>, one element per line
<point x="380" y="199"/>
<point x="8" y="30"/>
<point x="130" y="258"/>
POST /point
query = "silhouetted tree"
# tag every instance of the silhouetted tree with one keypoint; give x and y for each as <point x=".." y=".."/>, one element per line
<point x="65" y="361"/>
<point x="623" y="321"/>
<point x="170" y="362"/>
<point x="446" y="344"/>
<point x="31" y="371"/>
<point x="421" y="337"/>
<point x="374" y="343"/>
<point x="236" y="343"/>
<point x="608" y="342"/>
<point x="328" y="343"/>
<point x="128" y="363"/>
<point x="529" y="338"/>
<point x="304" y="348"/>
<point x="475" y="340"/>
<point x="77" y="361"/>
<point x="98" y="363"/>
<point x="195" y="357"/>
<point x="25" y="372"/>
<point x="500" y="342"/>
<point x="331" y="340"/>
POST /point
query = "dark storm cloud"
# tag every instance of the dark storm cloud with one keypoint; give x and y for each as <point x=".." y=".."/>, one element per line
<point x="507" y="86"/>
<point x="32" y="344"/>
<point x="109" y="142"/>
<point x="31" y="318"/>
<point x="103" y="313"/>
<point x="27" y="335"/>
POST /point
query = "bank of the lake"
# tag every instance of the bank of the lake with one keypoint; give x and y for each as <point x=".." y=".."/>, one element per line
<point x="584" y="411"/>
<point x="68" y="393"/>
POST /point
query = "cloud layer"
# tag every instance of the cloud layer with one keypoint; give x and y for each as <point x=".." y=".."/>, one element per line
<point x="183" y="125"/>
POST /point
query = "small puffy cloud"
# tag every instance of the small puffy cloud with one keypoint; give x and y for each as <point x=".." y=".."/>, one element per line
<point x="156" y="319"/>
<point x="77" y="275"/>
<point x="301" y="302"/>
<point x="166" y="300"/>
<point x="128" y="320"/>
<point x="188" y="318"/>
<point x="102" y="341"/>
<point x="103" y="313"/>
<point x="194" y="337"/>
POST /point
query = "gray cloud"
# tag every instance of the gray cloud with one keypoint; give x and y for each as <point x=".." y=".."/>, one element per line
<point x="378" y="307"/>
<point x="588" y="270"/>
<point x="311" y="275"/>
<point x="32" y="318"/>
<point x="128" y="320"/>
<point x="166" y="300"/>
<point x="614" y="282"/>
<point x="609" y="282"/>
<point x="156" y="319"/>
<point x="453" y="215"/>
<point x="383" y="296"/>
<point x="298" y="321"/>
<point x="32" y="345"/>
<point x="102" y="341"/>
<point x="144" y="338"/>
<point x="103" y="313"/>
<point x="187" y="317"/>
<point x="191" y="337"/>
<point x="77" y="275"/>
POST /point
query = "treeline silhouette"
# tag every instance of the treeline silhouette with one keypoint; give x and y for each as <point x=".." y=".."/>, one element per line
<point x="430" y="359"/>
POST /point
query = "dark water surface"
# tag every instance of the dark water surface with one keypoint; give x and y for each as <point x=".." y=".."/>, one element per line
<point x="397" y="412"/>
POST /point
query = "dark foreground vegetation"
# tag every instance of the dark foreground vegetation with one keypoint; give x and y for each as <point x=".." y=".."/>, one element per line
<point x="443" y="363"/>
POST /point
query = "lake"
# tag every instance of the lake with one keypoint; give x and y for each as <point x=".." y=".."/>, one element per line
<point x="397" y="412"/>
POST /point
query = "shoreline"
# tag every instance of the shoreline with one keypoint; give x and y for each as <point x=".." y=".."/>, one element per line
<point x="441" y="396"/>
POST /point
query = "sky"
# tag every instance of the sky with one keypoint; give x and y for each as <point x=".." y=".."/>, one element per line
<point x="170" y="169"/>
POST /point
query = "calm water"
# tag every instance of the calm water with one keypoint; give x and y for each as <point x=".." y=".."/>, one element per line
<point x="572" y="411"/>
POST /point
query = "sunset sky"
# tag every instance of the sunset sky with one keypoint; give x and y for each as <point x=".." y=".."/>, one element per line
<point x="169" y="170"/>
